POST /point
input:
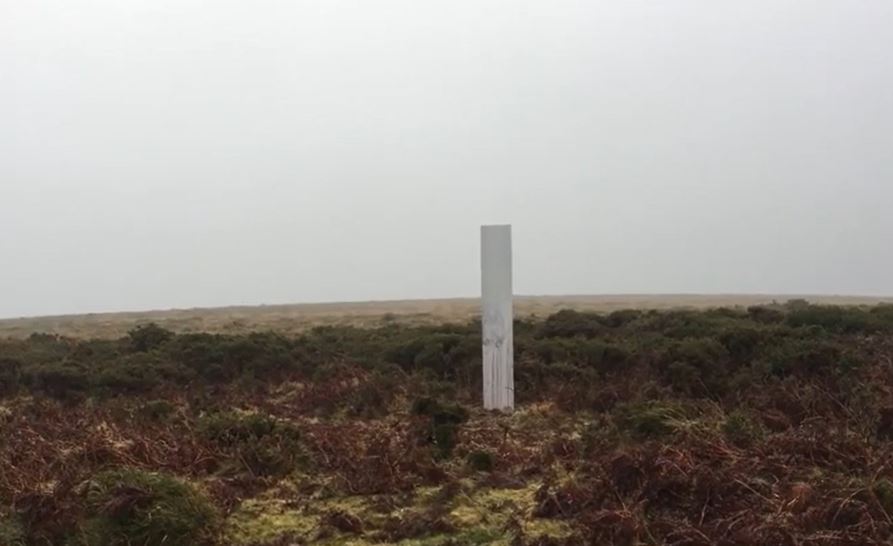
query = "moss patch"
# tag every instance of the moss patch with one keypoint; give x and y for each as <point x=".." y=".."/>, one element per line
<point x="264" y="520"/>
<point x="478" y="516"/>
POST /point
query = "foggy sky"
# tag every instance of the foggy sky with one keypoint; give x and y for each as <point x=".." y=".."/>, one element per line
<point x="178" y="153"/>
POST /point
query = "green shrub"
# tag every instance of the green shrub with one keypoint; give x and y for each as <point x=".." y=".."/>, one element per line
<point x="220" y="358"/>
<point x="883" y="491"/>
<point x="600" y="435"/>
<point x="129" y="506"/>
<point x="570" y="323"/>
<point x="267" y="446"/>
<point x="10" y="376"/>
<point x="156" y="410"/>
<point x="445" y="420"/>
<point x="446" y="354"/>
<point x="809" y="356"/>
<point x="685" y="378"/>
<point x="765" y="315"/>
<point x="373" y="397"/>
<point x="258" y="355"/>
<point x="481" y="461"/>
<point x="605" y="358"/>
<point x="46" y="348"/>
<point x="883" y="315"/>
<point x="833" y="318"/>
<point x="681" y="324"/>
<point x="696" y="366"/>
<point x="622" y="317"/>
<point x="741" y="430"/>
<point x="202" y="353"/>
<point x="12" y="532"/>
<point x="747" y="377"/>
<point x="440" y="413"/>
<point x="648" y="420"/>
<point x="58" y="380"/>
<point x="743" y="343"/>
<point x="547" y="350"/>
<point x="131" y="374"/>
<point x="148" y="337"/>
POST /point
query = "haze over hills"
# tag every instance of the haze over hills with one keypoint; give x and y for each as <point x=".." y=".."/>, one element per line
<point x="294" y="318"/>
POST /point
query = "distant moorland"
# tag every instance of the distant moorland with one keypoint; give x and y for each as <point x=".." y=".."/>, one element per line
<point x="297" y="318"/>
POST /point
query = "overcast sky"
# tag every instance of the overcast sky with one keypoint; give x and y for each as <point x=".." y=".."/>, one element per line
<point x="178" y="153"/>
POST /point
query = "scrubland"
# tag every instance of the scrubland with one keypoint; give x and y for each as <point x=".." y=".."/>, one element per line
<point x="770" y="424"/>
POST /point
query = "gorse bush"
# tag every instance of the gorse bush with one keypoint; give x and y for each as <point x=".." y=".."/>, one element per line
<point x="10" y="376"/>
<point x="572" y="324"/>
<point x="741" y="429"/>
<point x="599" y="355"/>
<point x="12" y="532"/>
<point x="648" y="420"/>
<point x="59" y="379"/>
<point x="481" y="461"/>
<point x="696" y="366"/>
<point x="156" y="410"/>
<point x="696" y="353"/>
<point x="148" y="337"/>
<point x="127" y="506"/>
<point x="444" y="423"/>
<point x="254" y="442"/>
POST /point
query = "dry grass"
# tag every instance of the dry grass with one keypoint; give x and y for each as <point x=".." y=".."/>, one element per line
<point x="299" y="317"/>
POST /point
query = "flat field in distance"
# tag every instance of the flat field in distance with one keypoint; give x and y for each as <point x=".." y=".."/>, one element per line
<point x="296" y="318"/>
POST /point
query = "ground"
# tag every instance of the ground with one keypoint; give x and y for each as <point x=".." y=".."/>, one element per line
<point x="768" y="424"/>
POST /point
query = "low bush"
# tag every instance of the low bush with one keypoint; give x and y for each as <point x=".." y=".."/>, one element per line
<point x="444" y="422"/>
<point x="130" y="506"/>
<point x="448" y="355"/>
<point x="219" y="358"/>
<point x="571" y="324"/>
<point x="156" y="410"/>
<point x="622" y="317"/>
<point x="741" y="430"/>
<point x="651" y="420"/>
<point x="12" y="532"/>
<point x="810" y="355"/>
<point x="131" y="374"/>
<point x="682" y="324"/>
<point x="745" y="342"/>
<point x="148" y="337"/>
<point x="373" y="397"/>
<point x="765" y="315"/>
<point x="10" y="376"/>
<point x="266" y="446"/>
<point x="834" y="318"/>
<point x="481" y="461"/>
<point x="63" y="380"/>
<point x="696" y="367"/>
<point x="601" y="356"/>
